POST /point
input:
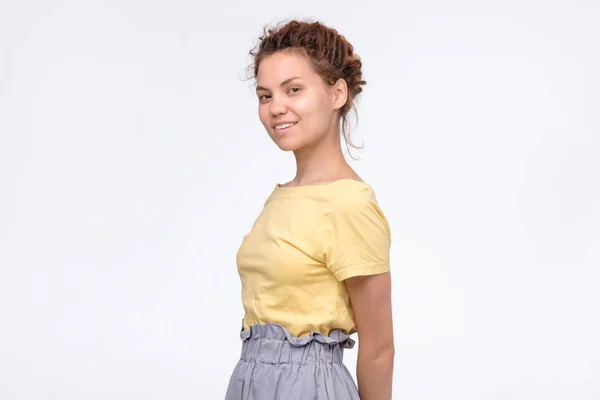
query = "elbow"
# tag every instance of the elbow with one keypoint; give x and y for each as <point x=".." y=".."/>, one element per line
<point x="384" y="358"/>
<point x="386" y="354"/>
<point x="381" y="353"/>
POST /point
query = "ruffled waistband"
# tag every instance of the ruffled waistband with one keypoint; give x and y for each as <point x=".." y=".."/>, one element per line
<point x="274" y="344"/>
<point x="277" y="332"/>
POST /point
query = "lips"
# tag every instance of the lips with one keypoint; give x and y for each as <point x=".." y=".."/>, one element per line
<point x="284" y="127"/>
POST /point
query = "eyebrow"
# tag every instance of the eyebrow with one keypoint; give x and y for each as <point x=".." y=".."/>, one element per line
<point x="288" y="80"/>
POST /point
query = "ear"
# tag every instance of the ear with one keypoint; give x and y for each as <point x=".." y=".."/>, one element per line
<point x="340" y="93"/>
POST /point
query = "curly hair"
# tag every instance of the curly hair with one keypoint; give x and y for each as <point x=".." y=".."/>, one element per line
<point x="329" y="53"/>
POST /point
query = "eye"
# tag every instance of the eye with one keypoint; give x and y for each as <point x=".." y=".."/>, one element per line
<point x="263" y="97"/>
<point x="294" y="90"/>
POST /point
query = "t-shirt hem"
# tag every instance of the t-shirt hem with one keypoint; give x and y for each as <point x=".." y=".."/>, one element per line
<point x="362" y="270"/>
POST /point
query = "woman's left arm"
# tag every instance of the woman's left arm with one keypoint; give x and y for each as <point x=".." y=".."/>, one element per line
<point x="372" y="304"/>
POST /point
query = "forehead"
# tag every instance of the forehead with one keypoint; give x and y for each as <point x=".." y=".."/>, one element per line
<point x="275" y="68"/>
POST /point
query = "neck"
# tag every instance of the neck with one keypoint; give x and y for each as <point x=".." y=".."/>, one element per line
<point x="322" y="162"/>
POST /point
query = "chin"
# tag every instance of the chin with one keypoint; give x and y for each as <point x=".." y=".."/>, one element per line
<point x="288" y="143"/>
<point x="287" y="146"/>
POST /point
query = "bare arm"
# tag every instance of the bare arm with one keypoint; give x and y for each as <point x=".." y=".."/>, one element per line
<point x="371" y="301"/>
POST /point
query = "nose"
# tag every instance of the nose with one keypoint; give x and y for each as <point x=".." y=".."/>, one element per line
<point x="277" y="106"/>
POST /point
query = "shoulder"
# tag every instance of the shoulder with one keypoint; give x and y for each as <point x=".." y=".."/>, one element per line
<point x="348" y="194"/>
<point x="357" y="235"/>
<point x="354" y="203"/>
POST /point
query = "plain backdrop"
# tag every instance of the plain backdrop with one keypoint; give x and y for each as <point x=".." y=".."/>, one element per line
<point x="132" y="162"/>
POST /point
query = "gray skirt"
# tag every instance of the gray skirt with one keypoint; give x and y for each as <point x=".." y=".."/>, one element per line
<point x="276" y="365"/>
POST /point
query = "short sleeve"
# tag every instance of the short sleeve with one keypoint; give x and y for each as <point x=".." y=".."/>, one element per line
<point x="358" y="237"/>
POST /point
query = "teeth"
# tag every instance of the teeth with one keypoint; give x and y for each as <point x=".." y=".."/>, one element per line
<point x="283" y="126"/>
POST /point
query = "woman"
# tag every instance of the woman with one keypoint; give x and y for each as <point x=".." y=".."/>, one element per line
<point x="315" y="265"/>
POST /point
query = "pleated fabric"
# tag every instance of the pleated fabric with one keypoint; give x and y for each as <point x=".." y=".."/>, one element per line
<point x="276" y="365"/>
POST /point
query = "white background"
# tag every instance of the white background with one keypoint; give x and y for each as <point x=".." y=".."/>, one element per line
<point x="132" y="162"/>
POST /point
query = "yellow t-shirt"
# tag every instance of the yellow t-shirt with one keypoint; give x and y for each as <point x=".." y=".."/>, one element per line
<point x="306" y="241"/>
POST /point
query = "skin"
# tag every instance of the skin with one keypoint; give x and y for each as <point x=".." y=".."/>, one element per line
<point x="290" y="90"/>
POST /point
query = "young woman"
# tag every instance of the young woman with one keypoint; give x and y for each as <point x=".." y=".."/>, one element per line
<point x="315" y="265"/>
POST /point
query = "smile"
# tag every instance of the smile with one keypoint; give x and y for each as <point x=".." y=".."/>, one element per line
<point x="282" y="128"/>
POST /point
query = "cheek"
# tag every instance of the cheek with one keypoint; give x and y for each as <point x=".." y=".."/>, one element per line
<point x="308" y="107"/>
<point x="263" y="115"/>
<point x="315" y="111"/>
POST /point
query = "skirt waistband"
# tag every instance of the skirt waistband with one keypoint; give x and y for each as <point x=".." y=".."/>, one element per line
<point x="274" y="344"/>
